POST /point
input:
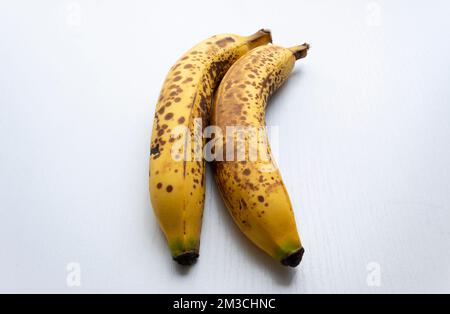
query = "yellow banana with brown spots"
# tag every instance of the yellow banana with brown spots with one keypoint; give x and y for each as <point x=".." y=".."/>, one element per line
<point x="253" y="189"/>
<point x="177" y="183"/>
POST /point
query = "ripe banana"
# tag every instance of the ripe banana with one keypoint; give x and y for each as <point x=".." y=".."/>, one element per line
<point x="253" y="189"/>
<point x="177" y="188"/>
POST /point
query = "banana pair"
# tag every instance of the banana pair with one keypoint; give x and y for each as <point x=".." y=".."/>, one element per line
<point x="240" y="73"/>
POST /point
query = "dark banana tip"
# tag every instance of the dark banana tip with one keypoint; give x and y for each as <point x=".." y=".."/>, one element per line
<point x="261" y="37"/>
<point x="187" y="258"/>
<point x="300" y="51"/>
<point x="294" y="259"/>
<point x="268" y="32"/>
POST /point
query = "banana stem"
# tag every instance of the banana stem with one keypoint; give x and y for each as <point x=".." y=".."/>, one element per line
<point x="261" y="37"/>
<point x="300" y="51"/>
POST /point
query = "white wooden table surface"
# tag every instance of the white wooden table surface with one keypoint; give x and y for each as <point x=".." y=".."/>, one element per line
<point x="364" y="149"/>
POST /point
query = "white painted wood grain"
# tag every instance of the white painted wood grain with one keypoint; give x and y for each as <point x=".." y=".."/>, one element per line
<point x="364" y="146"/>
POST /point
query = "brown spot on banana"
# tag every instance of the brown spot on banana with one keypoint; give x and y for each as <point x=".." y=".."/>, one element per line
<point x="224" y="42"/>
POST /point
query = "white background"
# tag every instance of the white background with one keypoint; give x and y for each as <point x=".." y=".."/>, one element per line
<point x="364" y="146"/>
